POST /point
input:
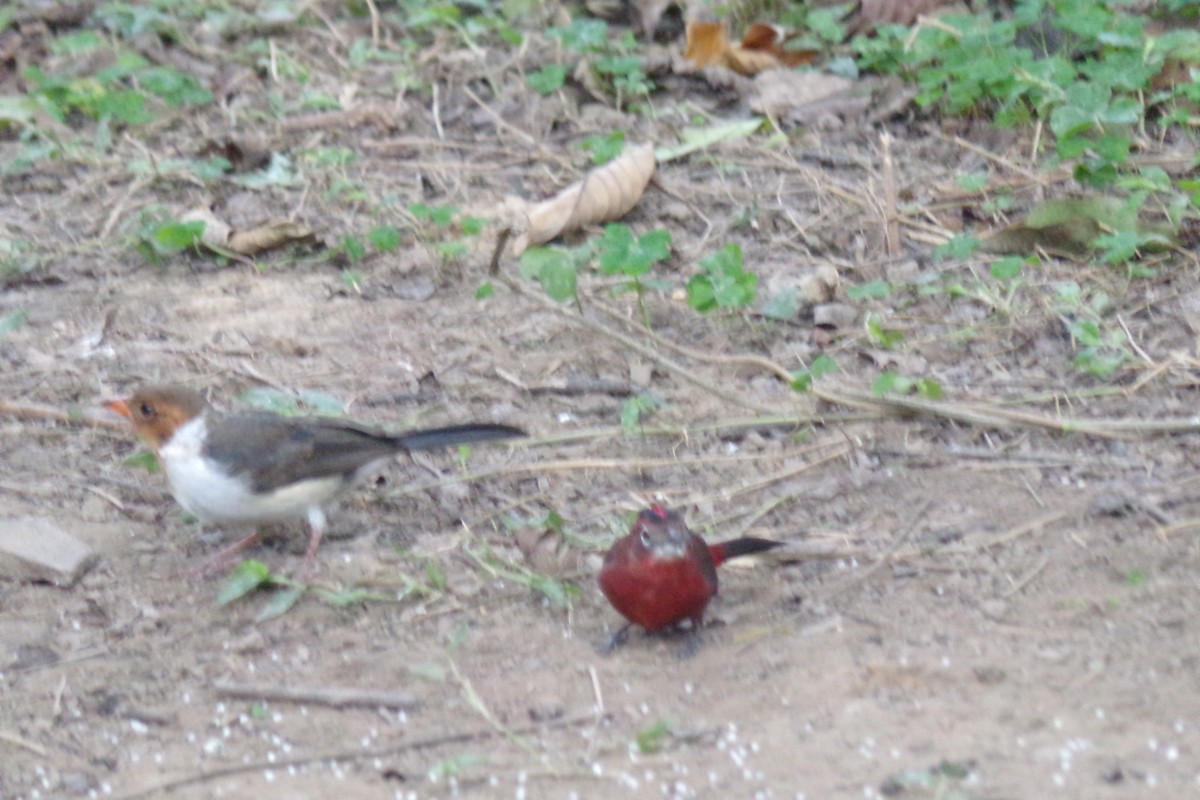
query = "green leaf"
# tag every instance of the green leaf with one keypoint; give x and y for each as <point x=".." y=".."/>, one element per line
<point x="557" y="592"/>
<point x="725" y="284"/>
<point x="620" y="253"/>
<point x="174" y="87"/>
<point x="583" y="35"/>
<point x="11" y="322"/>
<point x="354" y="248"/>
<point x="144" y="460"/>
<point x="1007" y="269"/>
<point x="604" y="148"/>
<point x="882" y="337"/>
<point x="694" y="139"/>
<point x="871" y="290"/>
<point x="485" y="290"/>
<point x="548" y="79"/>
<point x="173" y="237"/>
<point x="891" y="383"/>
<point x="435" y="574"/>
<point x="651" y="739"/>
<point x="385" y="238"/>
<point x="961" y="246"/>
<point x="245" y="578"/>
<point x="280" y="603"/>
<point x="929" y="389"/>
<point x="633" y="409"/>
<point x="802" y="380"/>
<point x="553" y="269"/>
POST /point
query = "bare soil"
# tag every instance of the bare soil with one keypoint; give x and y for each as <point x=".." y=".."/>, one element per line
<point x="965" y="610"/>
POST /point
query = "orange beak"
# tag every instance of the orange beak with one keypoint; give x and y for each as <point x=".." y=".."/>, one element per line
<point x="120" y="407"/>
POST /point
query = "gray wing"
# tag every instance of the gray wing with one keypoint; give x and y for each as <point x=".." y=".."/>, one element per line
<point x="289" y="449"/>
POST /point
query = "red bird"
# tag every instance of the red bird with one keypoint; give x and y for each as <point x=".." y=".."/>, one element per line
<point x="661" y="573"/>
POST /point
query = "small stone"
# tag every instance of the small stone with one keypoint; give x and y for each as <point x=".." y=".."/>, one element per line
<point x="38" y="548"/>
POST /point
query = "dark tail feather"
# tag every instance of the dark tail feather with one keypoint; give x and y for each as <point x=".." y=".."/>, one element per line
<point x="455" y="435"/>
<point x="747" y="545"/>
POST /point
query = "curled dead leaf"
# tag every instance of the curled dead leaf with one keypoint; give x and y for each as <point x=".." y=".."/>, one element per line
<point x="606" y="193"/>
<point x="261" y="238"/>
<point x="218" y="235"/>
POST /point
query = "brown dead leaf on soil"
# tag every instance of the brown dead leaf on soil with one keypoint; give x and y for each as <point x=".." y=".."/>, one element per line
<point x="606" y="193"/>
<point x="761" y="48"/>
<point x="249" y="242"/>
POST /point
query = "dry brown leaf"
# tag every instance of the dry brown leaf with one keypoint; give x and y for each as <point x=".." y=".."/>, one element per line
<point x="606" y="193"/>
<point x="261" y="238"/>
<point x="218" y="235"/>
<point x="762" y="48"/>
<point x="872" y="13"/>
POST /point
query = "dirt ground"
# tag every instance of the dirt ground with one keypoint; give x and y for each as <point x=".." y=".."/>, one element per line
<point x="965" y="609"/>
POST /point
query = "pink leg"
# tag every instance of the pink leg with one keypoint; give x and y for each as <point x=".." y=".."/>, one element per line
<point x="221" y="559"/>
<point x="316" y="521"/>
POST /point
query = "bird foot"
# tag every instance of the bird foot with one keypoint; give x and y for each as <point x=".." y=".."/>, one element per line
<point x="613" y="642"/>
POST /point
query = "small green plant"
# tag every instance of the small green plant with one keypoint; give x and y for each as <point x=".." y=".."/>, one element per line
<point x="560" y="594"/>
<point x="871" y="290"/>
<point x="802" y="380"/>
<point x="547" y="80"/>
<point x="1089" y="70"/>
<point x="896" y="384"/>
<point x="604" y="148"/>
<point x="555" y="268"/>
<point x="723" y="282"/>
<point x="635" y="409"/>
<point x="621" y="254"/>
<point x="444" y="230"/>
<point x="251" y="576"/>
<point x="615" y="62"/>
<point x="125" y="92"/>
<point x="999" y="293"/>
<point x="161" y="239"/>
<point x="653" y="738"/>
<point x="879" y="335"/>
<point x="12" y="321"/>
<point x="1101" y="348"/>
<point x="1135" y="578"/>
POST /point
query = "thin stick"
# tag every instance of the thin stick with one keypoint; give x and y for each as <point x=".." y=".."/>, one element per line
<point x="891" y="218"/>
<point x="500" y="121"/>
<point x="90" y="417"/>
<point x="1029" y="576"/>
<point x="334" y="697"/>
<point x="167" y="787"/>
<point x="20" y="741"/>
<point x="476" y="702"/>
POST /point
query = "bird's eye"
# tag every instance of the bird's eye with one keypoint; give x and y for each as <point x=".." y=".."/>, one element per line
<point x="645" y="537"/>
<point x="146" y="410"/>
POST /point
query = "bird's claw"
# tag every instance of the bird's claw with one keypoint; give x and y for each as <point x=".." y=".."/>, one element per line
<point x="613" y="642"/>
